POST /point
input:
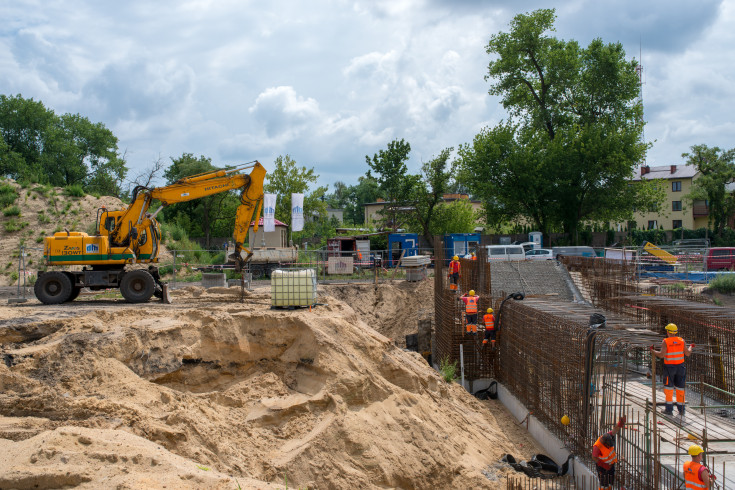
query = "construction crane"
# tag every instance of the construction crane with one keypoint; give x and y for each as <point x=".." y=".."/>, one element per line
<point x="132" y="236"/>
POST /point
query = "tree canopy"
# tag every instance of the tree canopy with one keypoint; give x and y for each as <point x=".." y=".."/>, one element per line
<point x="574" y="136"/>
<point x="388" y="168"/>
<point x="717" y="169"/>
<point x="64" y="150"/>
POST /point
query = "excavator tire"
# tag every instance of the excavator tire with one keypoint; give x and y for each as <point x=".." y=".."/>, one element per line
<point x="52" y="288"/>
<point x="75" y="290"/>
<point x="137" y="286"/>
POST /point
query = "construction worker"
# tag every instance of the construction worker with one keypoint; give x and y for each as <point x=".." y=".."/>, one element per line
<point x="603" y="454"/>
<point x="673" y="351"/>
<point x="454" y="273"/>
<point x="470" y="310"/>
<point x="489" y="319"/>
<point x="474" y="257"/>
<point x="696" y="475"/>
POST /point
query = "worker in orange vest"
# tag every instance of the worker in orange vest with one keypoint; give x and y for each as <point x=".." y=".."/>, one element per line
<point x="603" y="454"/>
<point x="470" y="310"/>
<point x="489" y="319"/>
<point x="673" y="351"/>
<point x="474" y="257"/>
<point x="454" y="273"/>
<point x="696" y="475"/>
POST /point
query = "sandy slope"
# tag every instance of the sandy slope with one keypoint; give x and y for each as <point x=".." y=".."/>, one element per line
<point x="93" y="392"/>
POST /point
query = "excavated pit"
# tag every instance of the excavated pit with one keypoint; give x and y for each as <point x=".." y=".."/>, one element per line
<point x="247" y="392"/>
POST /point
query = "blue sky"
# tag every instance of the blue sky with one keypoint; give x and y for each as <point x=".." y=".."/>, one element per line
<point x="329" y="82"/>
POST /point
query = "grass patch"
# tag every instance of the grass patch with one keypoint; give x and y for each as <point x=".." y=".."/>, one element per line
<point x="448" y="370"/>
<point x="723" y="283"/>
<point x="74" y="190"/>
<point x="43" y="217"/>
<point x="15" y="225"/>
<point x="8" y="195"/>
<point x="11" y="211"/>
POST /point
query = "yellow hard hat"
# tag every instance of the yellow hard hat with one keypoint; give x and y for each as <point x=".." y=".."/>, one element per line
<point x="455" y="258"/>
<point x="672" y="328"/>
<point x="565" y="420"/>
<point x="472" y="292"/>
<point x="695" y="449"/>
<point x="489" y="310"/>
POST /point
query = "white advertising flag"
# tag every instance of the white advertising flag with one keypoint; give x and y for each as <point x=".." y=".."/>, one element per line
<point x="297" y="212"/>
<point x="269" y="212"/>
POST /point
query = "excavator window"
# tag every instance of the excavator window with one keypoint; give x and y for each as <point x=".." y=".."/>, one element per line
<point x="110" y="224"/>
<point x="143" y="238"/>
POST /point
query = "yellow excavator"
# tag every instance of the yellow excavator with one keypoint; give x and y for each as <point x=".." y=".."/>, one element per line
<point x="132" y="236"/>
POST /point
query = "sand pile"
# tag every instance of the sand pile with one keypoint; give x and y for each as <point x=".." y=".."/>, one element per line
<point x="202" y="393"/>
<point x="393" y="308"/>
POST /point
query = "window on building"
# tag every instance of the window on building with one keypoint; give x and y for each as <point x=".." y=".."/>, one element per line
<point x="632" y="225"/>
<point x="652" y="224"/>
<point x="676" y="186"/>
<point x="653" y="208"/>
<point x="676" y="205"/>
<point x="677" y="224"/>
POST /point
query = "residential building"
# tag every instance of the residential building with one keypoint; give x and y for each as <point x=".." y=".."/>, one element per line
<point x="676" y="211"/>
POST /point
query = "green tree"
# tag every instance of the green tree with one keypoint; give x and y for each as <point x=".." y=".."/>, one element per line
<point x="717" y="169"/>
<point x="575" y="135"/>
<point x="454" y="217"/>
<point x="287" y="178"/>
<point x="206" y="217"/>
<point x="427" y="193"/>
<point x="62" y="150"/>
<point x="390" y="171"/>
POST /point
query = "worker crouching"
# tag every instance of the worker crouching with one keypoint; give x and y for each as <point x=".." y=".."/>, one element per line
<point x="604" y="456"/>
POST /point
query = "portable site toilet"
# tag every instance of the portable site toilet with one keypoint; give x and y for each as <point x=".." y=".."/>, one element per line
<point x="537" y="238"/>
<point x="400" y="242"/>
<point x="461" y="244"/>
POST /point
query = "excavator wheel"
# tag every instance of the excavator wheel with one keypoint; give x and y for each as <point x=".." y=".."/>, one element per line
<point x="75" y="290"/>
<point x="137" y="286"/>
<point x="52" y="288"/>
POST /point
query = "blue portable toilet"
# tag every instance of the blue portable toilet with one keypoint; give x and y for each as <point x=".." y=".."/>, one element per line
<point x="460" y="244"/>
<point x="399" y="242"/>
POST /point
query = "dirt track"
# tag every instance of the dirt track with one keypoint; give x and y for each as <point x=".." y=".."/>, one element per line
<point x="209" y="393"/>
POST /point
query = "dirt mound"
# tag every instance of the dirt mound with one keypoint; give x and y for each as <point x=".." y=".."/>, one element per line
<point x="247" y="392"/>
<point x="392" y="308"/>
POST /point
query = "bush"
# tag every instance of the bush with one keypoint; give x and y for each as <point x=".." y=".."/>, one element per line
<point x="13" y="225"/>
<point x="11" y="211"/>
<point x="13" y="276"/>
<point x="448" y="370"/>
<point x="723" y="283"/>
<point x="8" y="195"/>
<point x="74" y="190"/>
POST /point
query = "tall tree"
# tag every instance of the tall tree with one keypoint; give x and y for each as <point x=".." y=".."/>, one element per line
<point x="428" y="190"/>
<point x="718" y="169"/>
<point x="287" y="178"/>
<point x="389" y="169"/>
<point x="206" y="217"/>
<point x="575" y="134"/>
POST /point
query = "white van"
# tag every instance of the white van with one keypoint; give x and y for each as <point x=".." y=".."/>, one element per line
<point x="505" y="252"/>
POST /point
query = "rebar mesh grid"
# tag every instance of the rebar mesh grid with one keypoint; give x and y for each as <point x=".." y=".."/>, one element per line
<point x="480" y="361"/>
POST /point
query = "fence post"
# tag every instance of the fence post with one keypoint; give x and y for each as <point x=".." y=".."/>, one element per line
<point x="20" y="258"/>
<point x="174" y="271"/>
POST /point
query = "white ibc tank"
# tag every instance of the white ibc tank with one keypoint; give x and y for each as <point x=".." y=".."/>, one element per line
<point x="293" y="287"/>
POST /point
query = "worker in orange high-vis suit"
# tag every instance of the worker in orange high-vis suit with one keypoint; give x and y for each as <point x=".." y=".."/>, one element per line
<point x="489" y="319"/>
<point x="673" y="351"/>
<point x="470" y="310"/>
<point x="454" y="273"/>
<point x="696" y="475"/>
<point x="603" y="454"/>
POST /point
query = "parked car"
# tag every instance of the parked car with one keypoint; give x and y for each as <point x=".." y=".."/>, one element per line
<point x="540" y="254"/>
<point x="720" y="259"/>
<point x="580" y="251"/>
<point x="505" y="252"/>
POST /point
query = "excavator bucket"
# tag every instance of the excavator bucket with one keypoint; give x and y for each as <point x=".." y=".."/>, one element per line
<point x="166" y="297"/>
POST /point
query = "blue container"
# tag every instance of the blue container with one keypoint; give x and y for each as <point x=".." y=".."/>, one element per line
<point x="400" y="242"/>
<point x="460" y="244"/>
